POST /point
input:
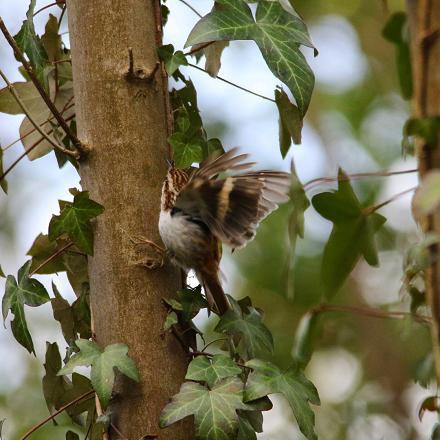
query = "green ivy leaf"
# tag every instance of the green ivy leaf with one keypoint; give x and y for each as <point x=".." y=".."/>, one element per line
<point x="212" y="371"/>
<point x="70" y="435"/>
<point x="170" y="320"/>
<point x="353" y="233"/>
<point x="245" y="430"/>
<point x="77" y="271"/>
<point x="2" y="274"/>
<point x="424" y="128"/>
<point x="54" y="386"/>
<point x="28" y="94"/>
<point x="63" y="313"/>
<point x="103" y="362"/>
<point x="185" y="154"/>
<point x="304" y="337"/>
<point x="255" y="338"/>
<point x="29" y="42"/>
<point x="42" y="248"/>
<point x="215" y="410"/>
<point x="396" y="31"/>
<point x="427" y="197"/>
<point x="267" y="378"/>
<point x="26" y="291"/>
<point x="51" y="39"/>
<point x="290" y="122"/>
<point x="74" y="220"/>
<point x="277" y="33"/>
<point x="3" y="181"/>
<point x="173" y="60"/>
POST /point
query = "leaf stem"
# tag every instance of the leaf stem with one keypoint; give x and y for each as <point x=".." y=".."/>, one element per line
<point x="213" y="342"/>
<point x="369" y="312"/>
<point x="191" y="7"/>
<point x="31" y="119"/>
<point x="391" y="199"/>
<point x="81" y="149"/>
<point x="197" y="48"/>
<point x="233" y="84"/>
<point x="318" y="180"/>
<point x="56" y="413"/>
<point x="53" y="256"/>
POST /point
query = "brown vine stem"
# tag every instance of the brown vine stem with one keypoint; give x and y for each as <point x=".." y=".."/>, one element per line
<point x="369" y="312"/>
<point x="56" y="413"/>
<point x="31" y="119"/>
<point x="81" y="149"/>
<point x="45" y="7"/>
<point x="356" y="176"/>
<point x="52" y="257"/>
<point x="244" y="89"/>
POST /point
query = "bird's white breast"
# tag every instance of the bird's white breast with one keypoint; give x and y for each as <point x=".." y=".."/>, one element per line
<point x="178" y="236"/>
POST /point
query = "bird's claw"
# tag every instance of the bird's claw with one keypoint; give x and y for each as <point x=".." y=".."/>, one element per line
<point x="150" y="263"/>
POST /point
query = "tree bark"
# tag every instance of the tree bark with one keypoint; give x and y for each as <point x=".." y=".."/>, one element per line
<point x="424" y="19"/>
<point x="124" y="123"/>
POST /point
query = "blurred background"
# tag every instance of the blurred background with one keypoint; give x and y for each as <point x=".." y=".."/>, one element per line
<point x="363" y="367"/>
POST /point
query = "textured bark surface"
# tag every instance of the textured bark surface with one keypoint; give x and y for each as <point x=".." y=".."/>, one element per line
<point x="424" y="17"/>
<point x="124" y="125"/>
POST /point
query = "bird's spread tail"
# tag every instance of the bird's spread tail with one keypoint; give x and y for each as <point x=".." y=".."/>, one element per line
<point x="215" y="295"/>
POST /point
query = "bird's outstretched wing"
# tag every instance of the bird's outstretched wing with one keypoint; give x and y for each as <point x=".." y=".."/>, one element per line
<point x="232" y="207"/>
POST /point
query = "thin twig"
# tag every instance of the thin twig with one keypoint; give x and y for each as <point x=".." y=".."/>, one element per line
<point x="198" y="48"/>
<point x="318" y="180"/>
<point x="49" y="259"/>
<point x="391" y="199"/>
<point x="81" y="149"/>
<point x="233" y="84"/>
<point x="369" y="312"/>
<point x="191" y="7"/>
<point x="31" y="119"/>
<point x="52" y="416"/>
<point x="122" y="436"/>
<point x="61" y="16"/>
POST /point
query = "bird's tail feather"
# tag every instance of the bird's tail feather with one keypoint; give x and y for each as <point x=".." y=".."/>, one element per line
<point x="215" y="295"/>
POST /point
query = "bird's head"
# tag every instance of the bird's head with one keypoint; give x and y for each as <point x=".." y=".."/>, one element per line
<point x="175" y="180"/>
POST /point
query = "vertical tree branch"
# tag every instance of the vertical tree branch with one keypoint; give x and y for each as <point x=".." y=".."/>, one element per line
<point x="424" y="17"/>
<point x="126" y="122"/>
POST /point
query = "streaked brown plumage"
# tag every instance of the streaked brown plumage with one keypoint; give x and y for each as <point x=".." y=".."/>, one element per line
<point x="203" y="210"/>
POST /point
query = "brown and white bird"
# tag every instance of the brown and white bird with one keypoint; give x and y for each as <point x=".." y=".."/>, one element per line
<point x="202" y="210"/>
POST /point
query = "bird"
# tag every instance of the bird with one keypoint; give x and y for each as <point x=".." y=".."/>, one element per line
<point x="204" y="209"/>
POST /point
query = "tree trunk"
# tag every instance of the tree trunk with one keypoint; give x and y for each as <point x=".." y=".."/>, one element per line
<point x="424" y="18"/>
<point x="124" y="123"/>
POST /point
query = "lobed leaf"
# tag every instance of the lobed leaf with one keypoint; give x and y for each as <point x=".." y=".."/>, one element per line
<point x="212" y="371"/>
<point x="266" y="378"/>
<point x="18" y="292"/>
<point x="277" y="33"/>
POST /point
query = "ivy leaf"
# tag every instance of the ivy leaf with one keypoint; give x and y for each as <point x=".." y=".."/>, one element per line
<point x="74" y="220"/>
<point x="215" y="410"/>
<point x="63" y="313"/>
<point x="304" y="337"/>
<point x="396" y="31"/>
<point x="173" y="60"/>
<point x="54" y="386"/>
<point x="26" y="291"/>
<point x="70" y="435"/>
<point x="77" y="271"/>
<point x="290" y="122"/>
<point x="427" y="129"/>
<point x="2" y="274"/>
<point x="29" y="42"/>
<point x="185" y="154"/>
<point x="3" y="181"/>
<point x="103" y="362"/>
<point x="28" y="94"/>
<point x="267" y="378"/>
<point x="42" y="248"/>
<point x="170" y="320"/>
<point x="212" y="371"/>
<point x="213" y="54"/>
<point x="353" y="233"/>
<point x="51" y="39"/>
<point x="255" y="338"/>
<point x="427" y="197"/>
<point x="277" y="33"/>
